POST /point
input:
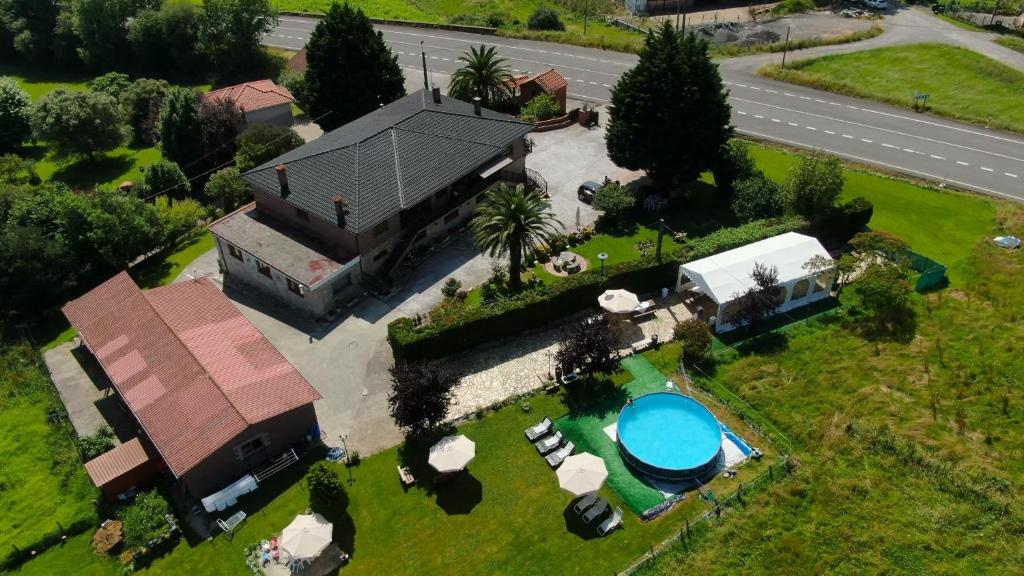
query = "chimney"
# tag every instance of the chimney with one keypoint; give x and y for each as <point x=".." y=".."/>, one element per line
<point x="282" y="179"/>
<point x="476" y="105"/>
<point x="340" y="209"/>
<point x="436" y="93"/>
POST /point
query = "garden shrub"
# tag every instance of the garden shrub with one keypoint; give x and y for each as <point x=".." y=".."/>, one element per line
<point x="451" y="288"/>
<point x="544" y="18"/>
<point x="843" y="222"/>
<point x="321" y="479"/>
<point x="734" y="163"/>
<point x="695" y="336"/>
<point x="794" y="7"/>
<point x="98" y="443"/>
<point x="615" y="201"/>
<point x="144" y="519"/>
<point x="757" y="197"/>
<point x="541" y="107"/>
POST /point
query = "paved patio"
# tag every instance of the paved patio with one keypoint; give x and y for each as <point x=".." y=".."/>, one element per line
<point x="76" y="389"/>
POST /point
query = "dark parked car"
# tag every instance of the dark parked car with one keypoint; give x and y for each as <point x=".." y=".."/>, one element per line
<point x="587" y="190"/>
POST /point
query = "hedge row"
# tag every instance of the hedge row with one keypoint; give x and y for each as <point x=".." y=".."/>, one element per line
<point x="534" y="308"/>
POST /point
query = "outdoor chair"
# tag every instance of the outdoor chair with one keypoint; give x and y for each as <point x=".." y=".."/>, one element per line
<point x="584" y="503"/>
<point x="540" y="429"/>
<point x="232" y="522"/>
<point x="550" y="443"/>
<point x="596" y="511"/>
<point x="612" y="523"/>
<point x="405" y="475"/>
<point x="555" y="458"/>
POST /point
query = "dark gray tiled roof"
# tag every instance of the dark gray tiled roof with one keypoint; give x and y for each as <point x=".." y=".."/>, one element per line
<point x="389" y="159"/>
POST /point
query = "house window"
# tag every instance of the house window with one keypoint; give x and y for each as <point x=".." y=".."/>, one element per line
<point x="453" y="215"/>
<point x="380" y="255"/>
<point x="251" y="447"/>
<point x="234" y="251"/>
<point x="295" y="287"/>
<point x="800" y="289"/>
<point x="263" y="267"/>
<point x="381" y="228"/>
<point x="302" y="214"/>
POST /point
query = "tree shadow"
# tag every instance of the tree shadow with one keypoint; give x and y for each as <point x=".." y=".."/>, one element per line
<point x="596" y="398"/>
<point x="574" y="523"/>
<point x="899" y="326"/>
<point x="335" y="509"/>
<point x="413" y="454"/>
<point x="765" y="345"/>
<point x="89" y="172"/>
<point x="459" y="494"/>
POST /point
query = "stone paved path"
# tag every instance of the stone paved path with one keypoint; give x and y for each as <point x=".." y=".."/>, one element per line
<point x="76" y="389"/>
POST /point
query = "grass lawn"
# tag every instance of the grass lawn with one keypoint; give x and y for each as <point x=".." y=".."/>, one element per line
<point x="1011" y="42"/>
<point x="942" y="225"/>
<point x="43" y="485"/>
<point x="501" y="516"/>
<point x="963" y="84"/>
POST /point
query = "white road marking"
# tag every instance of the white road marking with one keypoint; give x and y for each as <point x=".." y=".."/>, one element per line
<point x="847" y="136"/>
<point x="852" y="107"/>
<point x="986" y="169"/>
<point x="755" y="88"/>
<point x="936" y="157"/>
<point x="889" y="145"/>
<point x="805" y="97"/>
<point x="865" y="140"/>
<point x="741" y="85"/>
<point x="811" y="128"/>
<point x="758" y="116"/>
<point x="909" y="150"/>
<point x="820" y="101"/>
<point x="776" y="120"/>
<point x="770" y="91"/>
<point x="606" y="85"/>
<point x="835" y="103"/>
<point x="1010" y="175"/>
<point x="962" y="163"/>
<point x="830" y="132"/>
<point x="741" y="113"/>
<point x="787" y="94"/>
<point x="792" y="123"/>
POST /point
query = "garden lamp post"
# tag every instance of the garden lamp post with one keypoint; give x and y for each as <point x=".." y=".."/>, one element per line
<point x="602" y="256"/>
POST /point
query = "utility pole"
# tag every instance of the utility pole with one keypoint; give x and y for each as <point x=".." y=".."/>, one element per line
<point x="994" y="12"/>
<point x="786" y="47"/>
<point x="661" y="236"/>
<point x="677" y="14"/>
<point x="423" y="54"/>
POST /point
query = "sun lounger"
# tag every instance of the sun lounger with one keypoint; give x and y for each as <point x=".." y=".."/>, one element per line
<point x="405" y="475"/>
<point x="549" y="443"/>
<point x="584" y="503"/>
<point x="536" y="431"/>
<point x="232" y="522"/>
<point x="612" y="523"/>
<point x="555" y="458"/>
<point x="596" y="511"/>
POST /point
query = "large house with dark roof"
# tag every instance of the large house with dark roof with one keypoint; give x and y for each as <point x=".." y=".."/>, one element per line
<point x="214" y="399"/>
<point x="348" y="206"/>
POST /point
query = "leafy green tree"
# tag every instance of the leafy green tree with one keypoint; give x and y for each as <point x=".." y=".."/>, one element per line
<point x="756" y="198"/>
<point x="177" y="220"/>
<point x="227" y="188"/>
<point x="113" y="84"/>
<point x="39" y="270"/>
<point x="31" y="26"/>
<point x="295" y="82"/>
<point x="695" y="336"/>
<point x="421" y="393"/>
<point x="123" y="227"/>
<point x="17" y="171"/>
<point x="262" y="142"/>
<point x="759" y="301"/>
<point x="483" y="75"/>
<point x="221" y="121"/>
<point x="141" y="105"/>
<point x="669" y="115"/>
<point x="102" y="28"/>
<point x="615" y="201"/>
<point x="734" y="163"/>
<point x="345" y="40"/>
<point x="814" y="184"/>
<point x="144" y="519"/>
<point x="167" y="40"/>
<point x="544" y="18"/>
<point x="589" y="348"/>
<point x="165" y="177"/>
<point x="232" y="29"/>
<point x="15" y="115"/>
<point x="884" y="290"/>
<point x="78" y="123"/>
<point x="180" y="129"/>
<point x="513" y="221"/>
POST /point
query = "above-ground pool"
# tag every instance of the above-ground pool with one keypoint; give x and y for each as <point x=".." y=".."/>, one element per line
<point x="669" y="436"/>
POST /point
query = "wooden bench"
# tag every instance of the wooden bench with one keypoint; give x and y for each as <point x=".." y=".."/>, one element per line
<point x="405" y="475"/>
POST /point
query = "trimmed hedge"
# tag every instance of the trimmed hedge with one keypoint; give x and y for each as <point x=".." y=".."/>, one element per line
<point x="531" y="309"/>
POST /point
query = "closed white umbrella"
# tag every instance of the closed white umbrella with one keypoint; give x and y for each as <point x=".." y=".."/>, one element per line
<point x="618" y="301"/>
<point x="307" y="536"/>
<point x="582" y="474"/>
<point x="452" y="453"/>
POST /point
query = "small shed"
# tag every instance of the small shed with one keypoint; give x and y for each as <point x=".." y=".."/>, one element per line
<point x="125" y="467"/>
<point x="551" y="83"/>
<point x="262" y="101"/>
<point x="725" y="277"/>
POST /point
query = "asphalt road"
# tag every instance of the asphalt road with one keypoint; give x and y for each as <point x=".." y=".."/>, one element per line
<point x="961" y="155"/>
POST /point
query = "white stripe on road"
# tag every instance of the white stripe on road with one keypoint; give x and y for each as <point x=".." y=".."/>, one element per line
<point x="962" y="163"/>
<point x="986" y="169"/>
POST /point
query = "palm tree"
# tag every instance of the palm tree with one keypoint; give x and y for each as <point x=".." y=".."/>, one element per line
<point x="482" y="74"/>
<point x="513" y="221"/>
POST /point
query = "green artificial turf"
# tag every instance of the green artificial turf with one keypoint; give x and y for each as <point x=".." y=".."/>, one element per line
<point x="962" y="84"/>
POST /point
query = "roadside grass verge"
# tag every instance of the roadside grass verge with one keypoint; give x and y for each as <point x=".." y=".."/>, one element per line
<point x="732" y="50"/>
<point x="962" y="84"/>
<point x="1011" y="42"/>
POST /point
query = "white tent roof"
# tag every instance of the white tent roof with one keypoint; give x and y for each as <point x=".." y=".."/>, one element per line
<point x="725" y="276"/>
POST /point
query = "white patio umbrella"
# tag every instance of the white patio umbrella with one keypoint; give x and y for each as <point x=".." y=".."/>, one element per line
<point x="582" y="474"/>
<point x="307" y="536"/>
<point x="452" y="453"/>
<point x="618" y="301"/>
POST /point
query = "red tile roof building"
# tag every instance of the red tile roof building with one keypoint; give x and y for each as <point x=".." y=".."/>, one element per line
<point x="121" y="468"/>
<point x="261" y="100"/>
<point x="551" y="83"/>
<point x="197" y="375"/>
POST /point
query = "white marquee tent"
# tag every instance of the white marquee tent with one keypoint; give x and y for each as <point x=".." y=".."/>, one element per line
<point x="726" y="276"/>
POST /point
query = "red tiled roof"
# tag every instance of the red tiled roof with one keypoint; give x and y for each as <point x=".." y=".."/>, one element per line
<point x="298" y="63"/>
<point x="549" y="81"/>
<point x="121" y="460"/>
<point x="191" y="368"/>
<point x="252" y="96"/>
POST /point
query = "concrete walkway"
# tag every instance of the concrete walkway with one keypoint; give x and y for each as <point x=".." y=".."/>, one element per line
<point x="76" y="389"/>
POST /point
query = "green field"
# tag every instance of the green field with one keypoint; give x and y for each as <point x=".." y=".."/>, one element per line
<point x="962" y="84"/>
<point x="43" y="486"/>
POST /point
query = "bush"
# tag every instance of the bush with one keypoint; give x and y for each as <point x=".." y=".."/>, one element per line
<point x="451" y="288"/>
<point x="794" y="7"/>
<point x="494" y="19"/>
<point x="421" y="393"/>
<point x="262" y="142"/>
<point x="541" y="107"/>
<point x="179" y="218"/>
<point x="734" y="163"/>
<point x="165" y="177"/>
<point x="15" y="115"/>
<point x="843" y="222"/>
<point x="144" y="519"/>
<point x="227" y="187"/>
<point x="756" y="198"/>
<point x="814" y="184"/>
<point x="113" y="84"/>
<point x="295" y="82"/>
<point x="98" y="443"/>
<point x="141" y="105"/>
<point x="695" y="336"/>
<point x="323" y="480"/>
<point x="544" y="18"/>
<point x="616" y="201"/>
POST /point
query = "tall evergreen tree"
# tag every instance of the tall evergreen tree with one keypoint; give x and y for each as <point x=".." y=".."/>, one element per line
<point x="669" y="115"/>
<point x="180" y="130"/>
<point x="351" y="71"/>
